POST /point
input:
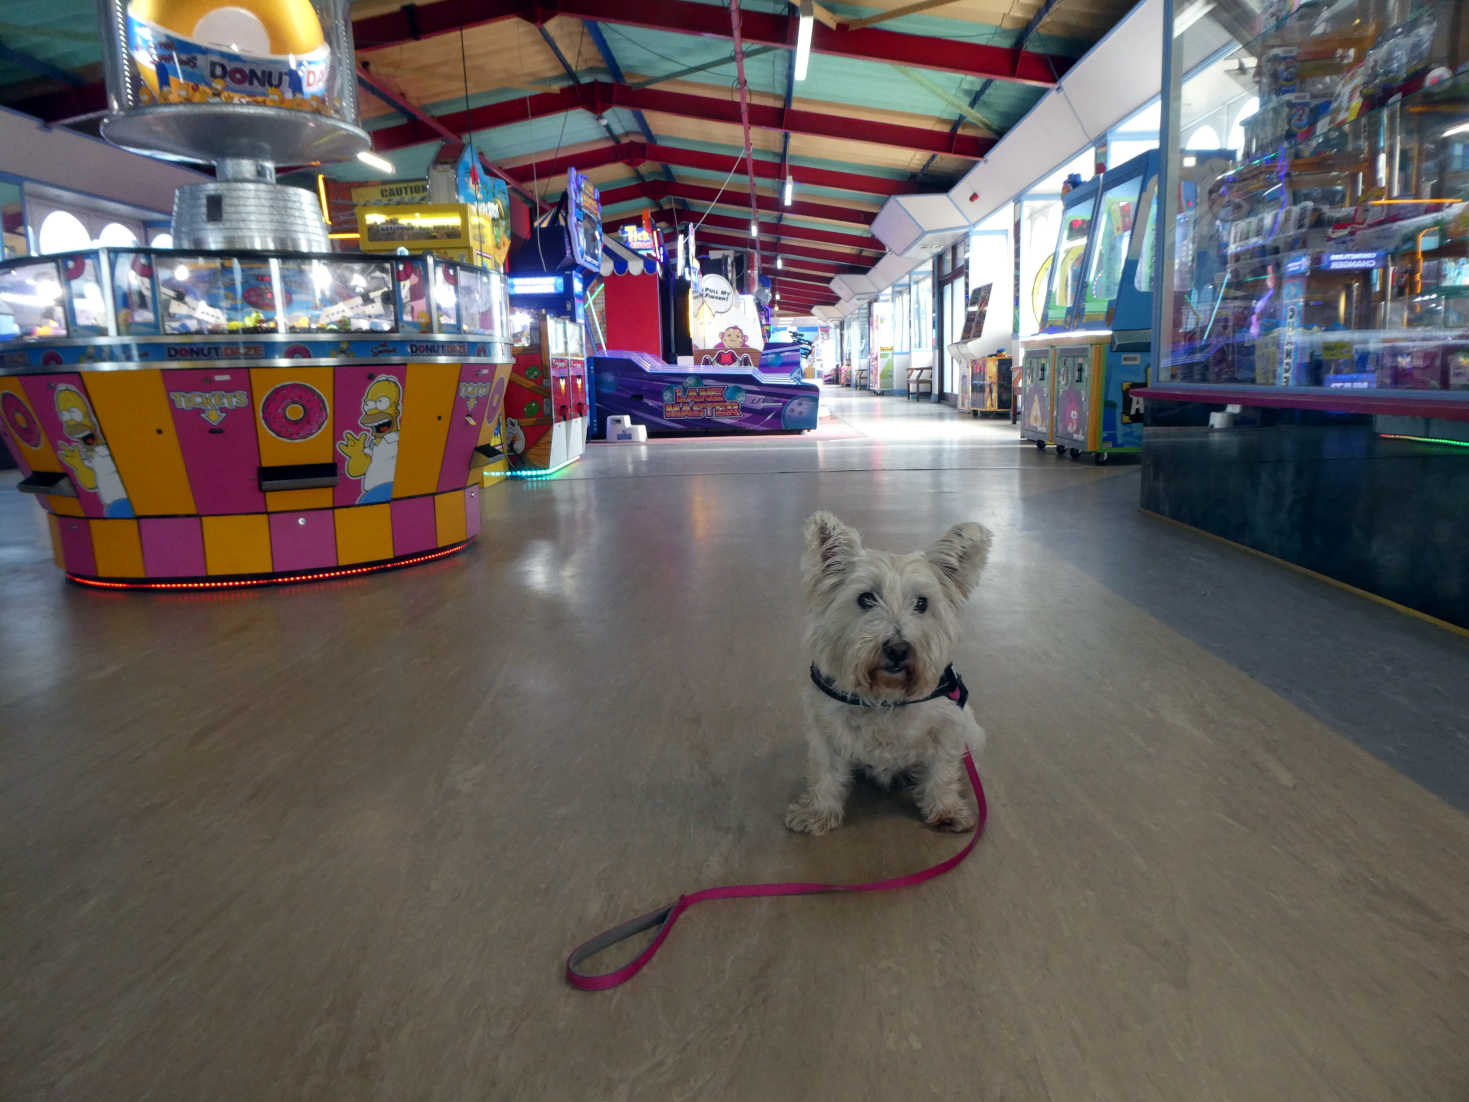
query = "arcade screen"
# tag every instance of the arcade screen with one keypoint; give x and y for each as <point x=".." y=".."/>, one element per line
<point x="1076" y="225"/>
<point x="584" y="221"/>
<point x="1119" y="204"/>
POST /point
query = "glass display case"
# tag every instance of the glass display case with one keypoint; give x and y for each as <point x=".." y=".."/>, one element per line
<point x="167" y="293"/>
<point x="1328" y="251"/>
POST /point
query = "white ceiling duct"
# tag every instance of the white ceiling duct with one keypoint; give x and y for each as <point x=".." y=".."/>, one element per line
<point x="1117" y="77"/>
<point x="854" y="286"/>
<point x="890" y="269"/>
<point x="917" y="226"/>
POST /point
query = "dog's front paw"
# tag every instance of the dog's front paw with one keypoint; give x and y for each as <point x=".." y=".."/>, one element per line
<point x="808" y="818"/>
<point x="959" y="819"/>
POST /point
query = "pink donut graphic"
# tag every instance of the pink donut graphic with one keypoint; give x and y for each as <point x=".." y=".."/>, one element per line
<point x="26" y="430"/>
<point x="293" y="411"/>
<point x="298" y="352"/>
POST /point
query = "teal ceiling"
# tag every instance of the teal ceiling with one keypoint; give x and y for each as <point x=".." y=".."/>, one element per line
<point x="59" y="33"/>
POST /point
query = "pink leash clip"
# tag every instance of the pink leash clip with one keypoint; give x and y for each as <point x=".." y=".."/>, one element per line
<point x="664" y="918"/>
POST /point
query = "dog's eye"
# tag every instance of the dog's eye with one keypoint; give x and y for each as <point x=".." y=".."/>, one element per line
<point x="866" y="600"/>
<point x="920" y="605"/>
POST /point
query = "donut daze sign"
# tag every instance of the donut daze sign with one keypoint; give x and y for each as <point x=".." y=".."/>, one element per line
<point x="194" y="51"/>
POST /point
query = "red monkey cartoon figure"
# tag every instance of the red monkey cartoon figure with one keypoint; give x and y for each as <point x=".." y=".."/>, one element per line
<point x="732" y="351"/>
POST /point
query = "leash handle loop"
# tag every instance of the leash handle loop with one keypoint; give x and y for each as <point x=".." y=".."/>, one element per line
<point x="664" y="918"/>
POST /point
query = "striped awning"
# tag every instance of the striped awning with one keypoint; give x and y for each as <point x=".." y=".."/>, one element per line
<point x="618" y="259"/>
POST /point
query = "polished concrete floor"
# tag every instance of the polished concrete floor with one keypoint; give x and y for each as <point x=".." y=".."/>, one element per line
<point x="333" y="842"/>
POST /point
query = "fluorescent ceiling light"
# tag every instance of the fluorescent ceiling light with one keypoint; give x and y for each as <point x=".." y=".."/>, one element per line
<point x="1462" y="128"/>
<point x="790" y="187"/>
<point x="372" y="160"/>
<point x="803" y="38"/>
<point x="755" y="230"/>
<point x="779" y="263"/>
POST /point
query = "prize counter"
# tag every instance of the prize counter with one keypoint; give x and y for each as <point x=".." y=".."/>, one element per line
<point x="195" y="418"/>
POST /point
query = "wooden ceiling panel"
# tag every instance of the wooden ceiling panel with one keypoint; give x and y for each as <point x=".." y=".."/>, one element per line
<point x="1089" y="18"/>
<point x="877" y="156"/>
<point x="509" y="54"/>
<point x="671" y="128"/>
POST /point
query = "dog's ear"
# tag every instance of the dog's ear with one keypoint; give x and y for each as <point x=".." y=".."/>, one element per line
<point x="832" y="549"/>
<point x="959" y="555"/>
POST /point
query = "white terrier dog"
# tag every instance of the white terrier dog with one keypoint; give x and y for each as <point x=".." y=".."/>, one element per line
<point x="881" y="629"/>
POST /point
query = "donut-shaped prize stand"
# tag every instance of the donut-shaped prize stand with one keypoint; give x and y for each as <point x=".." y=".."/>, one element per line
<point x="221" y="419"/>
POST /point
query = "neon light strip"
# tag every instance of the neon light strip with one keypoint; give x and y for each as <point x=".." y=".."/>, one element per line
<point x="550" y="472"/>
<point x="1425" y="439"/>
<point x="283" y="579"/>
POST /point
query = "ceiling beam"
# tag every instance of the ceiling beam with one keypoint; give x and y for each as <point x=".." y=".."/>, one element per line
<point x="416" y="21"/>
<point x="433" y="130"/>
<point x="637" y="153"/>
<point x="1029" y="29"/>
<point x="860" y="243"/>
<point x="413" y="22"/>
<point x="790" y="250"/>
<point x="820" y="124"/>
<point x="804" y="234"/>
<point x="806" y="281"/>
<point x="697" y="193"/>
<point x="795" y="265"/>
<point x="610" y="60"/>
<point x="598" y="97"/>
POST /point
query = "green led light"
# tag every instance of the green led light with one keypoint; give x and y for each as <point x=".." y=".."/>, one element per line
<point x="550" y="472"/>
<point x="1425" y="439"/>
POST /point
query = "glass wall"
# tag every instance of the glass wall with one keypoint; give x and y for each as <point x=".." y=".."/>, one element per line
<point x="921" y="297"/>
<point x="1040" y="222"/>
<point x="1331" y="250"/>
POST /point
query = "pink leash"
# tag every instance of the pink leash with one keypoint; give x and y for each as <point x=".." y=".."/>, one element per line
<point x="665" y="917"/>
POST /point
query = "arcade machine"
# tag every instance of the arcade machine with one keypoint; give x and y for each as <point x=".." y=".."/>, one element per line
<point x="249" y="406"/>
<point x="1094" y="371"/>
<point x="459" y="213"/>
<point x="725" y="390"/>
<point x="1109" y="352"/>
<point x="547" y="408"/>
<point x="1063" y="292"/>
<point x="983" y="381"/>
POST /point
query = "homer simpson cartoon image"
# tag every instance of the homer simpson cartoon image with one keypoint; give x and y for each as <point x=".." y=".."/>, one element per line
<point x="372" y="456"/>
<point x="87" y="453"/>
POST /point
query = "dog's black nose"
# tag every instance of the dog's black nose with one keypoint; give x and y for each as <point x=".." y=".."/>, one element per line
<point x="896" y="653"/>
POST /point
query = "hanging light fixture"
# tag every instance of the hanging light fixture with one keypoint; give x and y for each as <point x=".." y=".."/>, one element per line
<point x="754" y="229"/>
<point x="790" y="187"/>
<point x="803" y="38"/>
<point x="779" y="264"/>
<point x="372" y="160"/>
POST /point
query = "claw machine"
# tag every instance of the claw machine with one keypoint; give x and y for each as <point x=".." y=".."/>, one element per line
<point x="1062" y="315"/>
<point x="1109" y="351"/>
<point x="546" y="408"/>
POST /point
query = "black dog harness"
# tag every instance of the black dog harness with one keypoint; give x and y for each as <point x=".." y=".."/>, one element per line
<point x="951" y="685"/>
